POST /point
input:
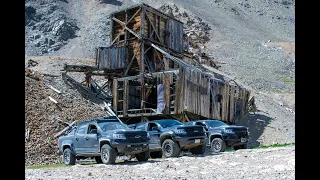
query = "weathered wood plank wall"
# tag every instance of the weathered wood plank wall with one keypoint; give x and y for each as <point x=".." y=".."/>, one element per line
<point x="112" y="57"/>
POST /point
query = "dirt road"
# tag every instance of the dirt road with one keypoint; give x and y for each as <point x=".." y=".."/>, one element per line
<point x="270" y="163"/>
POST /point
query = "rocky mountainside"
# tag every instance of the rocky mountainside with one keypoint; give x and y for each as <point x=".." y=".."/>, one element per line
<point x="252" y="41"/>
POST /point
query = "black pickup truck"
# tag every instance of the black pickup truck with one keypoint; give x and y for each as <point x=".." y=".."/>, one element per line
<point x="170" y="136"/>
<point x="103" y="139"/>
<point x="221" y="135"/>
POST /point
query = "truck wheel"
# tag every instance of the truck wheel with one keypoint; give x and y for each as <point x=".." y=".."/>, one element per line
<point x="199" y="149"/>
<point x="170" y="148"/>
<point x="68" y="157"/>
<point x="243" y="146"/>
<point x="98" y="159"/>
<point x="218" y="145"/>
<point x="156" y="154"/>
<point x="144" y="156"/>
<point x="108" y="154"/>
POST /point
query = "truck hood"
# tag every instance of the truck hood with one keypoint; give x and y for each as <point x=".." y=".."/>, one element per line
<point x="181" y="127"/>
<point x="121" y="131"/>
<point x="230" y="127"/>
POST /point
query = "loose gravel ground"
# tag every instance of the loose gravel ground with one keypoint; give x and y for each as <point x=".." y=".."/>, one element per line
<point x="269" y="163"/>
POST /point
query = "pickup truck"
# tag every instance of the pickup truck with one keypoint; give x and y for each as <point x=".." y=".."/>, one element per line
<point x="170" y="137"/>
<point x="104" y="139"/>
<point x="221" y="135"/>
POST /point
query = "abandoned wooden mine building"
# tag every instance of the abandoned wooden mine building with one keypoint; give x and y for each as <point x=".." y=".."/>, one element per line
<point x="152" y="74"/>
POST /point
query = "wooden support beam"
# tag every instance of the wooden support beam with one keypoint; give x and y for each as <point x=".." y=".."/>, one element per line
<point x="147" y="50"/>
<point x="129" y="66"/>
<point x="166" y="86"/>
<point x="155" y="74"/>
<point x="227" y="102"/>
<point x="115" y="95"/>
<point x="159" y="57"/>
<point x="223" y="104"/>
<point x="236" y="101"/>
<point x="232" y="100"/>
<point x="79" y="68"/>
<point x="65" y="129"/>
<point x="154" y="29"/>
<point x="125" y="97"/>
<point x="166" y="63"/>
<point x="124" y="26"/>
<point x="148" y="92"/>
<point x="126" y="22"/>
<point x="142" y="44"/>
<point x="111" y="32"/>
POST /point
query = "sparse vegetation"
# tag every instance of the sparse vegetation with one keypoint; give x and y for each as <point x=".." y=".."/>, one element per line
<point x="58" y="165"/>
<point x="274" y="145"/>
<point x="286" y="79"/>
<point x="46" y="166"/>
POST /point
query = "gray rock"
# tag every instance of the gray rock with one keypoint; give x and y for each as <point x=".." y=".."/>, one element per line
<point x="36" y="36"/>
<point x="51" y="42"/>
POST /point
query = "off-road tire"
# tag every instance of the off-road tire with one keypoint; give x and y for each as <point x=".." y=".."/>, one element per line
<point x="199" y="149"/>
<point x="98" y="159"/>
<point x="144" y="156"/>
<point x="156" y="154"/>
<point x="108" y="154"/>
<point x="170" y="148"/>
<point x="218" y="145"/>
<point x="68" y="157"/>
<point x="243" y="146"/>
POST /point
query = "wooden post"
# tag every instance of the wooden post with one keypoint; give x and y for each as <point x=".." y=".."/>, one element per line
<point x="166" y="84"/>
<point x="242" y="96"/>
<point x="142" y="70"/>
<point x="231" y="112"/>
<point x="236" y="102"/>
<point x="111" y="29"/>
<point x="125" y="97"/>
<point x="126" y="21"/>
<point x="223" y="104"/>
<point x="115" y="96"/>
<point x="227" y="102"/>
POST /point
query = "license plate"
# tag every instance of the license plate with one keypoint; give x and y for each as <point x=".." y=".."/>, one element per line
<point x="197" y="141"/>
<point x="243" y="139"/>
<point x="122" y="158"/>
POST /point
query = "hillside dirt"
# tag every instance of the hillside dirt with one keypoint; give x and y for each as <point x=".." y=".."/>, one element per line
<point x="270" y="163"/>
<point x="252" y="41"/>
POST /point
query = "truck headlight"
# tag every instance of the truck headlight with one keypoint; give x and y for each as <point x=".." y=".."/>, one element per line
<point x="119" y="136"/>
<point x="229" y="131"/>
<point x="180" y="131"/>
<point x="148" y="135"/>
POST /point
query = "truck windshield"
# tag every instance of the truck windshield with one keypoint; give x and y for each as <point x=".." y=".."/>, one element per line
<point x="107" y="126"/>
<point x="168" y="123"/>
<point x="215" y="123"/>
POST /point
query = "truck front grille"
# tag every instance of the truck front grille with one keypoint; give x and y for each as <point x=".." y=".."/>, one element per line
<point x="242" y="134"/>
<point x="136" y="137"/>
<point x="191" y="132"/>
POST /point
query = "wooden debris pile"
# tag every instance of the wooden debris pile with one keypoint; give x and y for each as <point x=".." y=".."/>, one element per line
<point x="43" y="104"/>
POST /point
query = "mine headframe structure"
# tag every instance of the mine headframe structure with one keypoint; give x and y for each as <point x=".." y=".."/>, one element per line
<point x="148" y="66"/>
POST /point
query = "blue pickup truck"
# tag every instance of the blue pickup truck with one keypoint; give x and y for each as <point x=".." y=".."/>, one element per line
<point x="221" y="135"/>
<point x="104" y="139"/>
<point x="170" y="137"/>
